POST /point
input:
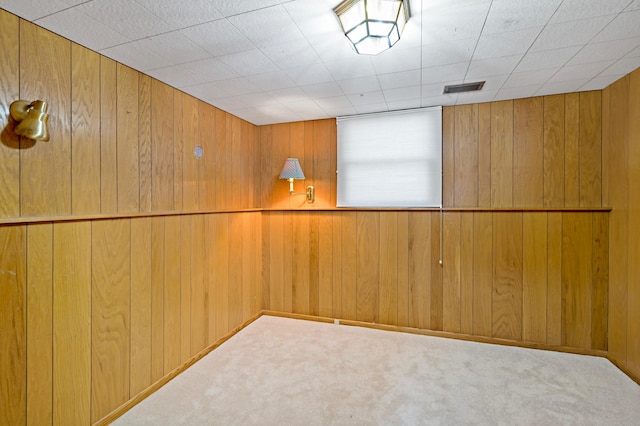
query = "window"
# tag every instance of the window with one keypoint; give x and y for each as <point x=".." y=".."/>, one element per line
<point x="390" y="159"/>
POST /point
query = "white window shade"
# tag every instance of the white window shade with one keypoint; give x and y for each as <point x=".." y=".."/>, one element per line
<point x="390" y="159"/>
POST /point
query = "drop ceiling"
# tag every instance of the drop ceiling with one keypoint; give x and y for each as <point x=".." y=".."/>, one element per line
<point x="271" y="61"/>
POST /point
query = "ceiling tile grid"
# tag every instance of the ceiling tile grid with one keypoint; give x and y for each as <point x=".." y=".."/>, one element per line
<point x="271" y="61"/>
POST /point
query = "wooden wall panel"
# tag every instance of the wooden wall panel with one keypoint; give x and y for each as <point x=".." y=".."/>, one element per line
<point x="314" y="264"/>
<point x="221" y="260"/>
<point x="156" y="295"/>
<point x="349" y="265"/>
<point x="507" y="279"/>
<point x="127" y="140"/>
<point x="178" y="149"/>
<point x="484" y="154"/>
<point x="590" y="149"/>
<point x="39" y="324"/>
<point x="528" y="152"/>
<point x="185" y="287"/>
<point x="633" y="320"/>
<point x="502" y="154"/>
<point x="451" y="272"/>
<point x="108" y="136"/>
<point x="337" y="263"/>
<point x="110" y="315"/>
<point x="553" y="155"/>
<point x="534" y="277"/>
<point x="576" y="274"/>
<point x="207" y="164"/>
<point x="466" y="273"/>
<point x="172" y="290"/>
<point x="619" y="219"/>
<point x="600" y="275"/>
<point x="141" y="326"/>
<point x="221" y="162"/>
<point x="466" y="156"/>
<point x="300" y="271"/>
<point x="13" y="324"/>
<point x="388" y="257"/>
<point x="554" y="279"/>
<point x="572" y="150"/>
<point x="9" y="92"/>
<point x="72" y="311"/>
<point x="325" y="264"/>
<point x="85" y="130"/>
<point x="190" y="165"/>
<point x="144" y="142"/>
<point x="45" y="168"/>
<point x="162" y="147"/>
<point x="436" y="289"/>
<point x="482" y="273"/>
<point x="367" y="266"/>
<point x="199" y="285"/>
<point x="448" y="156"/>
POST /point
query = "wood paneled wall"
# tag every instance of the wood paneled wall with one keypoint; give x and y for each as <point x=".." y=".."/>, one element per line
<point x="538" y="277"/>
<point x="97" y="301"/>
<point x="621" y="111"/>
<point x="121" y="142"/>
<point x="94" y="312"/>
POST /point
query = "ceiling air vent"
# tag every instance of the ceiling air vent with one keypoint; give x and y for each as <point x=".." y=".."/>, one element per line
<point x="466" y="87"/>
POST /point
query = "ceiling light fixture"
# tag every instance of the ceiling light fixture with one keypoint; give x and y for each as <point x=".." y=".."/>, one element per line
<point x="372" y="26"/>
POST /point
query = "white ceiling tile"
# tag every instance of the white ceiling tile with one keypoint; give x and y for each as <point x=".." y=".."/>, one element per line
<point x="292" y="53"/>
<point x="435" y="53"/>
<point x="256" y="99"/>
<point x="228" y="104"/>
<point x="271" y="80"/>
<point x="177" y="76"/>
<point x="439" y="100"/>
<point x="435" y="89"/>
<point x="329" y="89"/>
<point x="312" y="74"/>
<point x="400" y="79"/>
<point x="444" y="73"/>
<point x="401" y="94"/>
<point x="238" y="86"/>
<point x="634" y="5"/>
<point x="623" y="66"/>
<point x="368" y="98"/>
<point x="359" y="85"/>
<point x="574" y="33"/>
<point x="573" y="10"/>
<point x="510" y="15"/>
<point x="288" y="94"/>
<point x="125" y="17"/>
<point x="33" y="9"/>
<point x="528" y="78"/>
<point x="307" y="107"/>
<point x="476" y="97"/>
<point x="138" y="55"/>
<point x="579" y="72"/>
<point x="175" y="48"/>
<point x="208" y="91"/>
<point x="397" y="59"/>
<point x="404" y="104"/>
<point x="625" y="25"/>
<point x="264" y="27"/>
<point x="249" y="62"/>
<point x="599" y="83"/>
<point x="454" y="20"/>
<point x="561" y="87"/>
<point x="608" y="50"/>
<point x="218" y="38"/>
<point x="189" y="13"/>
<point x="546" y="59"/>
<point x="491" y="83"/>
<point x="634" y="53"/>
<point x="333" y="102"/>
<point x="361" y="67"/>
<point x="236" y="7"/>
<point x="74" y="25"/>
<point x="332" y="47"/>
<point x="505" y="44"/>
<point x="210" y="70"/>
<point x="313" y="17"/>
<point x="371" y="108"/>
<point x="488" y="67"/>
<point x="516" y="92"/>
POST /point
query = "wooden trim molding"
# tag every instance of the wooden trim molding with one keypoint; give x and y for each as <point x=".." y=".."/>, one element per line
<point x="624" y="369"/>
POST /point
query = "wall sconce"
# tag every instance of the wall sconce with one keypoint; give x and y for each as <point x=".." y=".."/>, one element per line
<point x="32" y="118"/>
<point x="291" y="171"/>
<point x="372" y="26"/>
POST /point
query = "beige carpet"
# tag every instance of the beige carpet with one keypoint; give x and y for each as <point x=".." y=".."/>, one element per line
<point x="281" y="371"/>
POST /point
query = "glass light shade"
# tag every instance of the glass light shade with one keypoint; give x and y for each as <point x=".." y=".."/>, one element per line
<point x="372" y="26"/>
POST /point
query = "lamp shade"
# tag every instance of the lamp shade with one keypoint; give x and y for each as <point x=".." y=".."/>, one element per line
<point x="372" y="26"/>
<point x="291" y="169"/>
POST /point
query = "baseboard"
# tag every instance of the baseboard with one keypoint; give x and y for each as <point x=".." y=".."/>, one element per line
<point x="448" y="335"/>
<point x="624" y="369"/>
<point x="111" y="417"/>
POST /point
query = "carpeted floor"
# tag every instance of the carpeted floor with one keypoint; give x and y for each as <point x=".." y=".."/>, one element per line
<point x="281" y="371"/>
